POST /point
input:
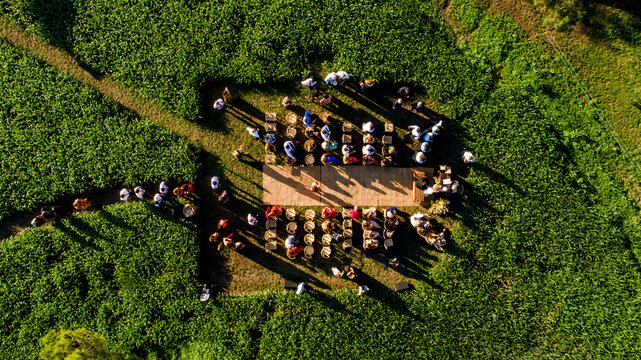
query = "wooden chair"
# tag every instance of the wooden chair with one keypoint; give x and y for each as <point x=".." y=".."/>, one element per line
<point x="308" y="251"/>
<point x="326" y="252"/>
<point x="271" y="246"/>
<point x="388" y="243"/>
<point x="309" y="239"/>
<point x="270" y="127"/>
<point x="292" y="227"/>
<point x="290" y="214"/>
<point x="347" y="243"/>
<point x="271" y="223"/>
<point x="309" y="226"/>
<point x="270" y="116"/>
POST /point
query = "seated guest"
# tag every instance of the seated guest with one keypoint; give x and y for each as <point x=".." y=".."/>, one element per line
<point x="420" y="157"/>
<point x="312" y="133"/>
<point x="390" y="212"/>
<point x="329" y="213"/>
<point x="270" y="148"/>
<point x="392" y="223"/>
<point x="163" y="188"/>
<point x="291" y="241"/>
<point x="398" y="104"/>
<point x="369" y="139"/>
<point x="37" y="221"/>
<point x="215" y="182"/>
<point x="389" y="233"/>
<point x="270" y="138"/>
<point x="371" y="234"/>
<point x="158" y="199"/>
<point x="337" y="273"/>
<point x="468" y="158"/>
<point x="351" y="273"/>
<point x="325" y="100"/>
<point x="309" y="83"/>
<point x="310" y="145"/>
<point x="331" y="79"/>
<point x="370" y="224"/>
<point x="81" y="204"/>
<point x="370" y="244"/>
<point x="342" y="77"/>
<point x="287" y="102"/>
<point x="124" y="195"/>
<point x="293" y="252"/>
<point x="329" y="159"/>
<point x="369" y="150"/>
<point x="348" y="159"/>
<point x="369" y="213"/>
<point x="326" y="133"/>
<point x="389" y="150"/>
<point x="425" y="147"/>
<point x="307" y="119"/>
<point x="139" y="191"/>
<point x="388" y="161"/>
<point x="369" y="160"/>
<point x="329" y="145"/>
<point x="273" y="212"/>
<point x="437" y="127"/>
<point x="347" y="150"/>
<point x="416" y="105"/>
<point x="415" y="131"/>
<point x="252" y="220"/>
<point x="224" y="197"/>
<point x="368" y="127"/>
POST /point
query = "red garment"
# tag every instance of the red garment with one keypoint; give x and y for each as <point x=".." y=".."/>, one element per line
<point x="188" y="187"/>
<point x="222" y="224"/>
<point x="273" y="211"/>
<point x="329" y="213"/>
<point x="354" y="214"/>
<point x="293" y="251"/>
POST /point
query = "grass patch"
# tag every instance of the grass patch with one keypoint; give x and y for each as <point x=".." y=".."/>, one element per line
<point x="61" y="139"/>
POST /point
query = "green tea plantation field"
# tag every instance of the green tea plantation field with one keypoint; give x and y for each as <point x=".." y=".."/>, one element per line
<point x="60" y="138"/>
<point x="543" y="260"/>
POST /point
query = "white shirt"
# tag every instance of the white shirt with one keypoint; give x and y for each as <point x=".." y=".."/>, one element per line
<point x="157" y="199"/>
<point x="124" y="194"/>
<point x="416" y="131"/>
<point x="325" y="132"/>
<point x="425" y="147"/>
<point x="332" y="78"/>
<point x="346" y="149"/>
<point x="219" y="104"/>
<point x="369" y="150"/>
<point x="163" y="188"/>
<point x="342" y="75"/>
<point x="289" y="149"/>
<point x="368" y="127"/>
<point x="215" y="182"/>
<point x="420" y="157"/>
<point x="139" y="191"/>
<point x="416" y="219"/>
<point x="253" y="132"/>
<point x="468" y="157"/>
<point x="251" y="220"/>
<point x="436" y="127"/>
<point x="428" y="137"/>
<point x="308" y="82"/>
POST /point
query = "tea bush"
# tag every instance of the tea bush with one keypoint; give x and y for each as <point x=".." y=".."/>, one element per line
<point x="60" y="138"/>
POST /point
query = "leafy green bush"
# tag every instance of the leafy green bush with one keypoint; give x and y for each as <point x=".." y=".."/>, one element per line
<point x="127" y="272"/>
<point x="60" y="138"/>
<point x="169" y="50"/>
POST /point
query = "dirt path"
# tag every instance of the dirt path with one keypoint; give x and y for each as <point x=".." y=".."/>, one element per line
<point x="128" y="98"/>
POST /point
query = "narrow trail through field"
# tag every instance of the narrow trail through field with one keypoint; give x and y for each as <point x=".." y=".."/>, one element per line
<point x="208" y="139"/>
<point x="118" y="92"/>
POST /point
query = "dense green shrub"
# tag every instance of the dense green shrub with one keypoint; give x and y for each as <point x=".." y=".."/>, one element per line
<point x="60" y="138"/>
<point x="127" y="272"/>
<point x="168" y="50"/>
